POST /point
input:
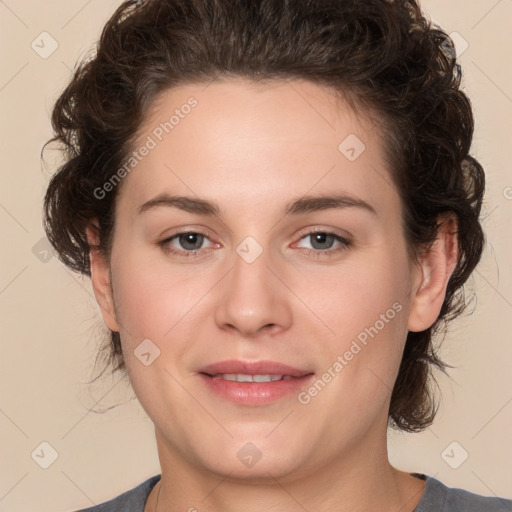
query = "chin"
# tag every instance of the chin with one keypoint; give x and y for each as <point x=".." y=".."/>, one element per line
<point x="259" y="473"/>
<point x="252" y="461"/>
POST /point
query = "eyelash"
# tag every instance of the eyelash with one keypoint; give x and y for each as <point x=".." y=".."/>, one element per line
<point x="345" y="244"/>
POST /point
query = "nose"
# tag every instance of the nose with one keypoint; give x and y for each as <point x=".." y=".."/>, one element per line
<point x="254" y="299"/>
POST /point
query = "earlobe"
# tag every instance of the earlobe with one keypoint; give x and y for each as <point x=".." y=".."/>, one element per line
<point x="101" y="281"/>
<point x="434" y="271"/>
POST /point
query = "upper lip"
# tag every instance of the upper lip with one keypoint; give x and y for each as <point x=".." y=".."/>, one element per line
<point x="252" y="368"/>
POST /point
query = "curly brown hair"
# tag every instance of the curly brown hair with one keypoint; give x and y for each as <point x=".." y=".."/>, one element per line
<point x="384" y="54"/>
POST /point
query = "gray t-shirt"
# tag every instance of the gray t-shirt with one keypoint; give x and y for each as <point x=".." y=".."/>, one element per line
<point x="436" y="498"/>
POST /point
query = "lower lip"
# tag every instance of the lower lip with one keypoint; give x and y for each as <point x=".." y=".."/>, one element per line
<point x="255" y="393"/>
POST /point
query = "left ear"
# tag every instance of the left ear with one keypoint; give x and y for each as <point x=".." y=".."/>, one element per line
<point x="435" y="269"/>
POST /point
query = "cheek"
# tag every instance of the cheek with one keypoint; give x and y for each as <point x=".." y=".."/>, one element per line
<point x="365" y="308"/>
<point x="356" y="295"/>
<point x="366" y="311"/>
<point x="152" y="297"/>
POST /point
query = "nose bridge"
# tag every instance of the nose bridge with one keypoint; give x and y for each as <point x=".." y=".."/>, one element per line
<point x="250" y="264"/>
<point x="252" y="297"/>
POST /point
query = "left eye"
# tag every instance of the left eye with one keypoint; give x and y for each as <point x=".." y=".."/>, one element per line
<point x="320" y="238"/>
<point x="190" y="241"/>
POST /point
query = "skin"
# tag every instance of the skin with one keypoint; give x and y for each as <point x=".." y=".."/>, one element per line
<point x="252" y="149"/>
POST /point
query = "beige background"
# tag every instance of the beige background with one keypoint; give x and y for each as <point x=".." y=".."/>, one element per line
<point x="49" y="319"/>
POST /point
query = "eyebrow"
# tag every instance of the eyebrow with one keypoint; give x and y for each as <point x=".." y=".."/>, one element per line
<point x="307" y="204"/>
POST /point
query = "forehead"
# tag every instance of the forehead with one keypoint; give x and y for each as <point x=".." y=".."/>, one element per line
<point x="238" y="141"/>
<point x="269" y="108"/>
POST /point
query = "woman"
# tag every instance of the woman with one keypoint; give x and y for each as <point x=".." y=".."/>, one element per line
<point x="276" y="205"/>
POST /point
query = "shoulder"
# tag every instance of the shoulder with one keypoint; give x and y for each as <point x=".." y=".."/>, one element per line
<point x="130" y="501"/>
<point x="440" y="498"/>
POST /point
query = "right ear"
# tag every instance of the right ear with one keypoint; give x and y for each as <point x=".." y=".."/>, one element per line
<point x="100" y="277"/>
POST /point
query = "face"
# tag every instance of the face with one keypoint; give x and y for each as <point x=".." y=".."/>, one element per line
<point x="248" y="274"/>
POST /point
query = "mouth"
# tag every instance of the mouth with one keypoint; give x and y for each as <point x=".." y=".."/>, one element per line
<point x="246" y="369"/>
<point x="254" y="383"/>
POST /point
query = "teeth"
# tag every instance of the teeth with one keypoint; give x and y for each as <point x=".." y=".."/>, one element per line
<point x="240" y="377"/>
<point x="266" y="378"/>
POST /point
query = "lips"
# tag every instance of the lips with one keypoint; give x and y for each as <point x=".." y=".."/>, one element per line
<point x="254" y="383"/>
<point x="259" y="368"/>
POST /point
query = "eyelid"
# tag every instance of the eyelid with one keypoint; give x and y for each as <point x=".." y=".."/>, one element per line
<point x="196" y="230"/>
